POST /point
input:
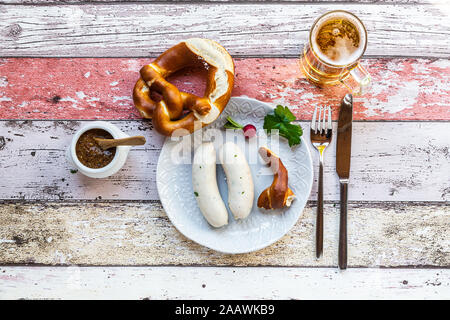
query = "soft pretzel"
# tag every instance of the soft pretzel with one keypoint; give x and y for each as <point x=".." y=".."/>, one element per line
<point x="278" y="195"/>
<point x="182" y="110"/>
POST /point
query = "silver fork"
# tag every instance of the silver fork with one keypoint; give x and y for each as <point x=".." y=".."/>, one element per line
<point x="321" y="132"/>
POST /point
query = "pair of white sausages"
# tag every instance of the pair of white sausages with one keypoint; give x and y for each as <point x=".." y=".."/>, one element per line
<point x="239" y="180"/>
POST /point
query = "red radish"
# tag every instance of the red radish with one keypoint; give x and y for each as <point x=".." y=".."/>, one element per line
<point x="249" y="131"/>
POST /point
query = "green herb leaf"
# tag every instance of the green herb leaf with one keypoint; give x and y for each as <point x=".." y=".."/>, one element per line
<point x="271" y="122"/>
<point x="231" y="124"/>
<point x="284" y="114"/>
<point x="280" y="121"/>
<point x="291" y="132"/>
<point x="196" y="193"/>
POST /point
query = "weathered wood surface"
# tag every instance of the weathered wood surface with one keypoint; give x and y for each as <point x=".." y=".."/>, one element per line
<point x="380" y="235"/>
<point x="142" y="30"/>
<point x="391" y="161"/>
<point x="93" y="88"/>
<point x="221" y="283"/>
<point x="47" y="2"/>
<point x="398" y="161"/>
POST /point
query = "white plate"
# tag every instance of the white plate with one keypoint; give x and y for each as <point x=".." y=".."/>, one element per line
<point x="260" y="229"/>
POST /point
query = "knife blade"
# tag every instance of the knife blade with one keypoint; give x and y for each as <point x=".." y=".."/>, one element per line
<point x="344" y="138"/>
<point x="343" y="155"/>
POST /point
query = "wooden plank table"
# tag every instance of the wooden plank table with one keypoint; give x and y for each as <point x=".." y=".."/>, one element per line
<point x="63" y="235"/>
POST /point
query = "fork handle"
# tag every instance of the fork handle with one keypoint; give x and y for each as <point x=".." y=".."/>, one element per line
<point x="319" y="218"/>
<point x="343" y="227"/>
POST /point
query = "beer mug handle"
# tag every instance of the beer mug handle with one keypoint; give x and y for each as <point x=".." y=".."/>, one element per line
<point x="358" y="80"/>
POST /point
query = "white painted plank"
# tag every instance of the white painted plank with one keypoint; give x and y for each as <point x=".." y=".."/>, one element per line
<point x="386" y="234"/>
<point x="145" y="30"/>
<point x="391" y="161"/>
<point x="194" y="2"/>
<point x="221" y="283"/>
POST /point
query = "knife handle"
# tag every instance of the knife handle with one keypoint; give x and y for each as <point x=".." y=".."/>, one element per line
<point x="343" y="227"/>
<point x="319" y="218"/>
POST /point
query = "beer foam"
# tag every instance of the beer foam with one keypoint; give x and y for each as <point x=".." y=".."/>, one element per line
<point x="343" y="52"/>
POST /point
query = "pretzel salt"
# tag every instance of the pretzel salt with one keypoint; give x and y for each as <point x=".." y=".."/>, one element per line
<point x="169" y="114"/>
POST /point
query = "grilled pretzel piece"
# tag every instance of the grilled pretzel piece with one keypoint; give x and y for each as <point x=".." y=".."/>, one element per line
<point x="278" y="195"/>
<point x="169" y="114"/>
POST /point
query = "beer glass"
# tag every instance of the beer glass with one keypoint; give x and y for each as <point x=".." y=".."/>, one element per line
<point x="337" y="40"/>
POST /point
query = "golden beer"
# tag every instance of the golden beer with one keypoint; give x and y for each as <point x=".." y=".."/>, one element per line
<point x="337" y="40"/>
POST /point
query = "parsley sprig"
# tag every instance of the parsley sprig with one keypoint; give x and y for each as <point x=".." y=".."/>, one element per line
<point x="281" y="121"/>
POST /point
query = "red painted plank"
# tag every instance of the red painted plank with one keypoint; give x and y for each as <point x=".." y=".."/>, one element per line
<point x="100" y="88"/>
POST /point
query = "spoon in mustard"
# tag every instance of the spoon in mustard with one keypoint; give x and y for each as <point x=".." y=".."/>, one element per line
<point x="111" y="143"/>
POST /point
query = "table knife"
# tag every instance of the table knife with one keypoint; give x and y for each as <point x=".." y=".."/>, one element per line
<point x="343" y="155"/>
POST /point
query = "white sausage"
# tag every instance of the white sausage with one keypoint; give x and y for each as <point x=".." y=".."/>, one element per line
<point x="239" y="179"/>
<point x="205" y="187"/>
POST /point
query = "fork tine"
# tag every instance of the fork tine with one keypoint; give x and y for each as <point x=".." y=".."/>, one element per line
<point x="319" y="122"/>
<point x="324" y="124"/>
<point x="329" y="118"/>
<point x="313" y="121"/>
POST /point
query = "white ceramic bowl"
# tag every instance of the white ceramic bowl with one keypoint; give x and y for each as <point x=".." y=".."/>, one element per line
<point x="117" y="162"/>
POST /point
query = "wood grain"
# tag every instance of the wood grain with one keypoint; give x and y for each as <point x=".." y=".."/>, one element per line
<point x="380" y="235"/>
<point x="391" y="161"/>
<point x="221" y="283"/>
<point x="403" y="89"/>
<point x="193" y="2"/>
<point x="141" y="30"/>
